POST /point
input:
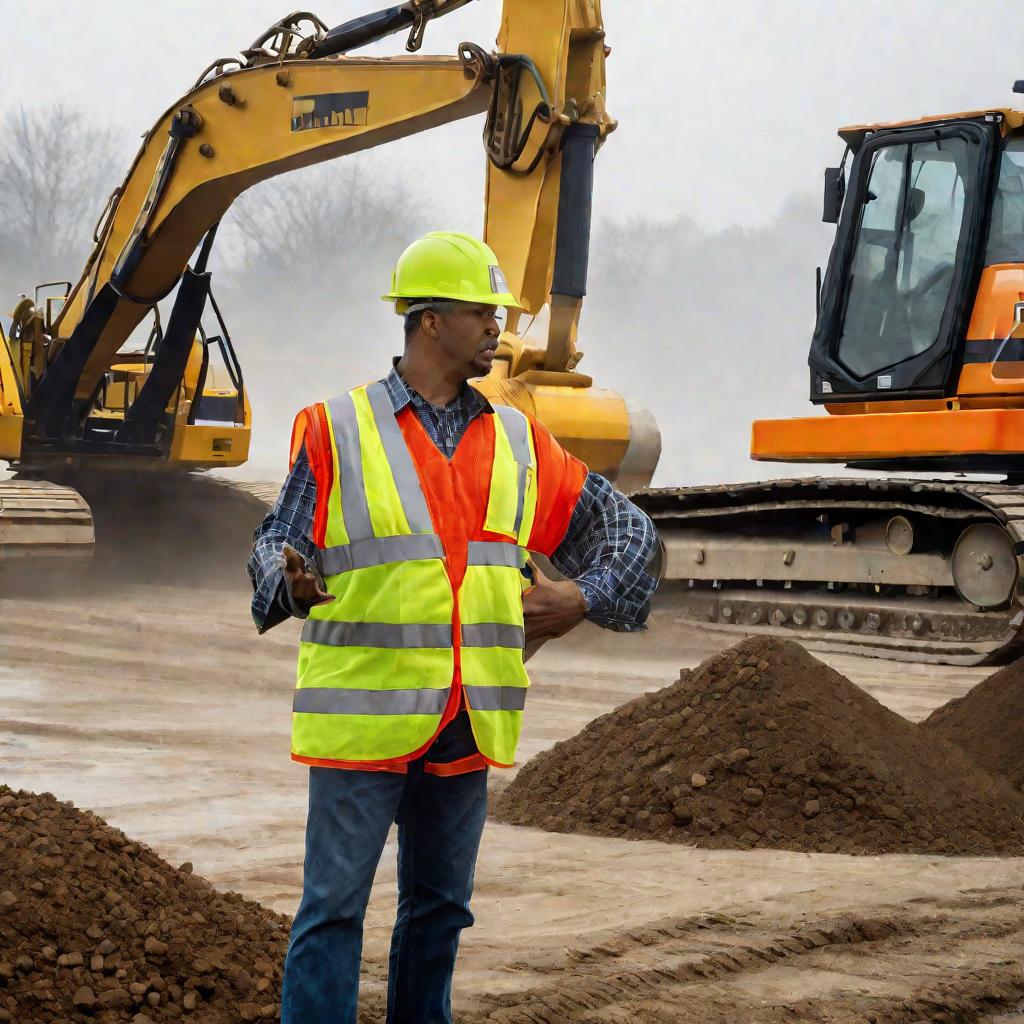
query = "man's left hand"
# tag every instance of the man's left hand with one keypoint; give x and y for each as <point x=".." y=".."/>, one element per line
<point x="550" y="609"/>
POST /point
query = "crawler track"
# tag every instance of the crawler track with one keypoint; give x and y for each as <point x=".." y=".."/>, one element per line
<point x="43" y="522"/>
<point x="785" y="557"/>
<point x="139" y="527"/>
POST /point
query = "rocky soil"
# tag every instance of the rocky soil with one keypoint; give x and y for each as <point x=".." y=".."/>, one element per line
<point x="96" y="927"/>
<point x="988" y="723"/>
<point x="763" y="745"/>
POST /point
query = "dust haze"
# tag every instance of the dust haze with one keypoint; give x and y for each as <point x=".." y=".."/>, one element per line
<point x="706" y="210"/>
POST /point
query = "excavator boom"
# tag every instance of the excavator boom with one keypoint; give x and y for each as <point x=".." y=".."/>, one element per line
<point x="75" y="402"/>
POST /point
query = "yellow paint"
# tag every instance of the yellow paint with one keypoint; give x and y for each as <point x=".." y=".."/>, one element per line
<point x="10" y="398"/>
<point x="257" y="138"/>
<point x="252" y="141"/>
<point x="11" y="427"/>
<point x="195" y="446"/>
<point x="11" y="419"/>
<point x="592" y="423"/>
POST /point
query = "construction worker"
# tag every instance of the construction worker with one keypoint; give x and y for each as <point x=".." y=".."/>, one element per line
<point x="400" y="536"/>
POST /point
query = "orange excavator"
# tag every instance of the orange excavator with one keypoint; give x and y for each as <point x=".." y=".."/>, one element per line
<point x="918" y="360"/>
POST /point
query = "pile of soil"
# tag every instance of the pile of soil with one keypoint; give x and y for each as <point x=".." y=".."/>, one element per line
<point x="95" y="927"/>
<point x="988" y="723"/>
<point x="763" y="745"/>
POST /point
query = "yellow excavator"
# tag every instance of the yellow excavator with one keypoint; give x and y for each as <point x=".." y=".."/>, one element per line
<point x="918" y="360"/>
<point x="86" y="421"/>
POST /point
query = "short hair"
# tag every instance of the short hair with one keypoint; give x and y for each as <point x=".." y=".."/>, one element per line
<point x="412" y="320"/>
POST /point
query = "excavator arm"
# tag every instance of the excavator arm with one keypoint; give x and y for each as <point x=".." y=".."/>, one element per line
<point x="294" y="103"/>
<point x="233" y="130"/>
<point x="294" y="98"/>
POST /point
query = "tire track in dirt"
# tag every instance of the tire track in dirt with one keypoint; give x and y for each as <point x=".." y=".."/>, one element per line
<point x="715" y="968"/>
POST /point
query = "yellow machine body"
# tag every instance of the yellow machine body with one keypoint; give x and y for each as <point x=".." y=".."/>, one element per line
<point x="74" y="398"/>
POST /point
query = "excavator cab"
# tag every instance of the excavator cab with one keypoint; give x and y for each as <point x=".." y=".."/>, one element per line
<point x="927" y="208"/>
<point x="206" y="420"/>
<point x="918" y="359"/>
<point x="917" y="349"/>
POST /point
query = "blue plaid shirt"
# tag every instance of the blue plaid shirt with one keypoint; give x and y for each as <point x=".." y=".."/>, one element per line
<point x="606" y="549"/>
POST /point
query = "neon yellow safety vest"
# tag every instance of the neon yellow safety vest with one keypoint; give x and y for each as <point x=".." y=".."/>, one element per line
<point x="376" y="666"/>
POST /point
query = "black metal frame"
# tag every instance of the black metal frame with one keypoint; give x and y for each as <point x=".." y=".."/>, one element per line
<point x="934" y="372"/>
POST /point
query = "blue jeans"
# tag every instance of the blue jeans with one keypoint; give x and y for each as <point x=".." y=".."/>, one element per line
<point x="440" y="821"/>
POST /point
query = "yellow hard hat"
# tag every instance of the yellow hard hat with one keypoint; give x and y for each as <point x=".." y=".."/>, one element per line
<point x="448" y="265"/>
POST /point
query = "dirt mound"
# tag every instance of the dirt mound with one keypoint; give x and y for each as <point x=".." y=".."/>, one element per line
<point x="95" y="927"/>
<point x="988" y="723"/>
<point x="763" y="745"/>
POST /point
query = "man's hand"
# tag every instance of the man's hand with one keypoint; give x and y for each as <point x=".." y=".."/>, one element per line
<point x="305" y="588"/>
<point x="550" y="609"/>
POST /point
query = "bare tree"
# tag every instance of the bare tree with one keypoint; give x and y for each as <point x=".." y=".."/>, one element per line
<point x="304" y="258"/>
<point x="709" y="329"/>
<point x="56" y="170"/>
<point x="319" y="225"/>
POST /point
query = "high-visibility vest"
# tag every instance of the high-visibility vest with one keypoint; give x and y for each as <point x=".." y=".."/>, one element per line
<point x="377" y="665"/>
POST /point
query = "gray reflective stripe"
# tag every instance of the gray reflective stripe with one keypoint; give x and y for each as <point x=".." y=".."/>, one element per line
<point x="376" y="634"/>
<point x="520" y="499"/>
<point x="327" y="701"/>
<point x="362" y="554"/>
<point x="400" y="460"/>
<point x="517" y="427"/>
<point x="493" y="634"/>
<point x="353" y="488"/>
<point x="494" y="552"/>
<point x="496" y="698"/>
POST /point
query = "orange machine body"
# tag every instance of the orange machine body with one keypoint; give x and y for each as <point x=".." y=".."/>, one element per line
<point x="976" y="418"/>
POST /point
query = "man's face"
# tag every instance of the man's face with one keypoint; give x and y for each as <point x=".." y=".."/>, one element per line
<point x="467" y="337"/>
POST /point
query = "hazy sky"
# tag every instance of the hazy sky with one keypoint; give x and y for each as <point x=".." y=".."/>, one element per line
<point x="724" y="108"/>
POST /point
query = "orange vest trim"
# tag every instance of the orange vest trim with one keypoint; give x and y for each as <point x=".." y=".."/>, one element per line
<point x="460" y="485"/>
<point x="560" y="480"/>
<point x="312" y="431"/>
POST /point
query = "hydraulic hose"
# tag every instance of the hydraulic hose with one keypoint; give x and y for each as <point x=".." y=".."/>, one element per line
<point x="575" y="200"/>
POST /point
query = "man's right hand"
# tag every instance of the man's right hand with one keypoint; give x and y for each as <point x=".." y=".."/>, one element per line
<point x="304" y="586"/>
<point x="550" y="609"/>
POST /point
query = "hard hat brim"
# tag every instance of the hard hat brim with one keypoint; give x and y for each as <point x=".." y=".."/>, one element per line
<point x="506" y="299"/>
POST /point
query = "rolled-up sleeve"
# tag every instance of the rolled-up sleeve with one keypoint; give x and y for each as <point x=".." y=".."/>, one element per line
<point x="290" y="522"/>
<point x="607" y="548"/>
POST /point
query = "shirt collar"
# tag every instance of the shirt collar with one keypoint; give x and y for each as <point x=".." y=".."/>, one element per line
<point x="402" y="395"/>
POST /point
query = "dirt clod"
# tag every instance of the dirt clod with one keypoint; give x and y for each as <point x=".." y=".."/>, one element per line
<point x="988" y="723"/>
<point x="698" y="762"/>
<point x="115" y="934"/>
<point x="84" y="997"/>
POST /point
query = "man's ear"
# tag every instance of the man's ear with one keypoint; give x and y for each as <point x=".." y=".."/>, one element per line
<point x="429" y="323"/>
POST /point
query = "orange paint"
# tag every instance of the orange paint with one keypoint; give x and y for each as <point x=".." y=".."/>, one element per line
<point x="998" y="292"/>
<point x="855" y="133"/>
<point x="977" y="379"/>
<point x="889" y="436"/>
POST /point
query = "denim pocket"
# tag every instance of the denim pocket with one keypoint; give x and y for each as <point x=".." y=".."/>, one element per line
<point x="455" y="742"/>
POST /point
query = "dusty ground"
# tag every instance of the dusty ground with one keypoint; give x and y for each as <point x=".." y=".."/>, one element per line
<point x="163" y="711"/>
